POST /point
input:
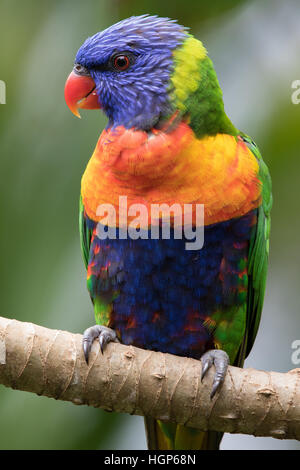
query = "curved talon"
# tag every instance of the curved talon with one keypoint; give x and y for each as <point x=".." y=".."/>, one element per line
<point x="86" y="349"/>
<point x="220" y="360"/>
<point x="101" y="342"/>
<point x="105" y="335"/>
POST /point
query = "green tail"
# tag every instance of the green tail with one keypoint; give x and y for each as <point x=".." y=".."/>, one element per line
<point x="170" y="436"/>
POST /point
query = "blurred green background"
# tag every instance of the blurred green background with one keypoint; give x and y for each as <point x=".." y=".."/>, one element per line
<point x="44" y="150"/>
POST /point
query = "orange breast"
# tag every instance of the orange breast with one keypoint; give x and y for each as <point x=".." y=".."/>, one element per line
<point x="172" y="167"/>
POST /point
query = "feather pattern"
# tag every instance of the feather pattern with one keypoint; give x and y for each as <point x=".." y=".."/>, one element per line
<point x="169" y="141"/>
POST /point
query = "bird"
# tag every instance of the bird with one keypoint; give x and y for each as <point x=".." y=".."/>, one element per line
<point x="169" y="144"/>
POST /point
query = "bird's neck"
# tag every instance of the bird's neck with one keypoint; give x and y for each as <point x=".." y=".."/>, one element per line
<point x="205" y="107"/>
<point x="196" y="93"/>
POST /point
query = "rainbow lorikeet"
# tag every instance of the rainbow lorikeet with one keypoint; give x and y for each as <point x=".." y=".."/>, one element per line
<point x="169" y="142"/>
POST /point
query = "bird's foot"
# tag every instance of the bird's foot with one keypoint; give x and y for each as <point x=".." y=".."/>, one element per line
<point x="220" y="360"/>
<point x="105" y="335"/>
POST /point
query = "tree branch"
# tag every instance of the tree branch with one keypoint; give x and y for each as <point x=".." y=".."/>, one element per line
<point x="128" y="379"/>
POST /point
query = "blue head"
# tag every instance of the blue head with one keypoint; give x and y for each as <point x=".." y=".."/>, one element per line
<point x="130" y="64"/>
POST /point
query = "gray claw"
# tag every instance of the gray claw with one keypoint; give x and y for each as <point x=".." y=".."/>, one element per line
<point x="101" y="341"/>
<point x="105" y="335"/>
<point x="86" y="349"/>
<point x="220" y="360"/>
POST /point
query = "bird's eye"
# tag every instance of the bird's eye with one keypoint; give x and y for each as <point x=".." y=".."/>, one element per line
<point x="121" y="62"/>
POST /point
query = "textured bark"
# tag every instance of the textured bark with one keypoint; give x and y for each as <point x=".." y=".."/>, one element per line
<point x="127" y="379"/>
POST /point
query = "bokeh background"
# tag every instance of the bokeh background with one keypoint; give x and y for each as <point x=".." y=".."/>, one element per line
<point x="43" y="152"/>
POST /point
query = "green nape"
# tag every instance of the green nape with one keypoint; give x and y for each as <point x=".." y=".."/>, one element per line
<point x="197" y="93"/>
<point x="205" y="106"/>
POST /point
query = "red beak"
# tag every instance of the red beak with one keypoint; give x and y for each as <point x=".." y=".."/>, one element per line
<point x="80" y="92"/>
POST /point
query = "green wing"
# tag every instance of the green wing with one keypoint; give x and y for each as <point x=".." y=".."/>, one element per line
<point x="85" y="234"/>
<point x="258" y="255"/>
